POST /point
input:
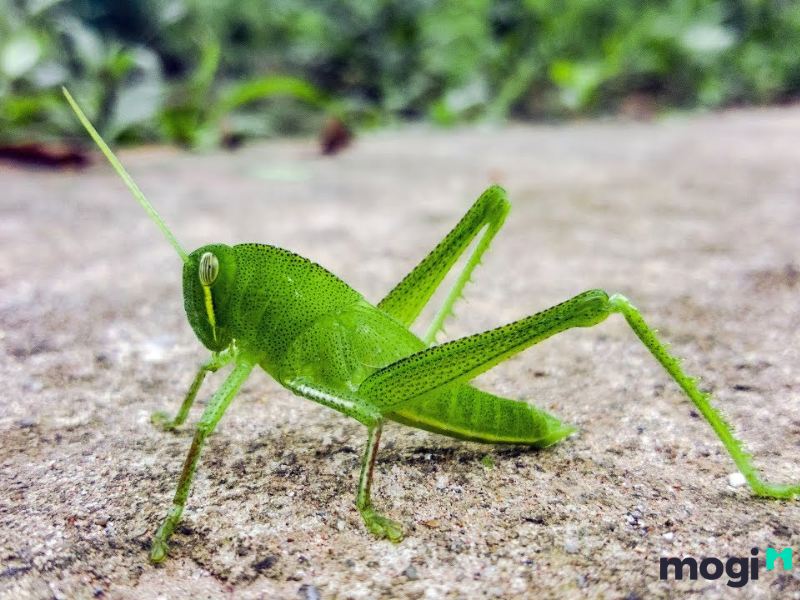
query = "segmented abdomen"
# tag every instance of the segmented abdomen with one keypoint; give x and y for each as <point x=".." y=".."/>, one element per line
<point x="465" y="412"/>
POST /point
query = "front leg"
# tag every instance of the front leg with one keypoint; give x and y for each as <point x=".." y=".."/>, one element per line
<point x="376" y="523"/>
<point x="162" y="420"/>
<point x="211" y="416"/>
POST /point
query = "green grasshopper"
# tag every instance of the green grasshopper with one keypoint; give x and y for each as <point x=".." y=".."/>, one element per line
<point x="258" y="305"/>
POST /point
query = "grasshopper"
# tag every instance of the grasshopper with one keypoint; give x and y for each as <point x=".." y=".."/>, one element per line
<point x="258" y="305"/>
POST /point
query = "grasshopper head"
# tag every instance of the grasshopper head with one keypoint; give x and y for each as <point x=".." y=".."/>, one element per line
<point x="208" y="278"/>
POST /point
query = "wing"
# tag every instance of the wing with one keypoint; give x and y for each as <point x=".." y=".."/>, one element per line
<point x="343" y="347"/>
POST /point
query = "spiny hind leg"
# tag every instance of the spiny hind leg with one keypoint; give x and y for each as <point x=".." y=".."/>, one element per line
<point x="379" y="525"/>
<point x="461" y="360"/>
<point x="162" y="420"/>
<point x="409" y="297"/>
<point x="211" y="416"/>
<point x="702" y="401"/>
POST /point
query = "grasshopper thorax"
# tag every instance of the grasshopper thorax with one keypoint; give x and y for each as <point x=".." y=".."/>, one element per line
<point x="208" y="279"/>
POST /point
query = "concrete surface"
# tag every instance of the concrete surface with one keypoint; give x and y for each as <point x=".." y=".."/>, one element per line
<point x="696" y="219"/>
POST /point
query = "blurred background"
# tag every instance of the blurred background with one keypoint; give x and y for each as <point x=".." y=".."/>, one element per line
<point x="205" y="73"/>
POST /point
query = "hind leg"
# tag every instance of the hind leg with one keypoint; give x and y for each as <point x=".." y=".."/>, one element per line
<point x="410" y="296"/>
<point x="461" y="360"/>
<point x="702" y="401"/>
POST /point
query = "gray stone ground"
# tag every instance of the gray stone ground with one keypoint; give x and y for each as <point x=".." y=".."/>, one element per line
<point x="694" y="218"/>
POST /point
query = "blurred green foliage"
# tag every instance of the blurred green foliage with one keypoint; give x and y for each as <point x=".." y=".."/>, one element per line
<point x="198" y="71"/>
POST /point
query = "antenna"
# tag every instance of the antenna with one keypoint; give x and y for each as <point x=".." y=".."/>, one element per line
<point x="137" y="193"/>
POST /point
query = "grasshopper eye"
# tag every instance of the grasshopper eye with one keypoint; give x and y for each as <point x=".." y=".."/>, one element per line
<point x="209" y="268"/>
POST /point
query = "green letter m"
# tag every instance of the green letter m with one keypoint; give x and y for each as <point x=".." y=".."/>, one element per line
<point x="785" y="555"/>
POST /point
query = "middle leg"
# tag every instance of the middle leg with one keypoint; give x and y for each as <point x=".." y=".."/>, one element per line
<point x="365" y="413"/>
<point x="375" y="522"/>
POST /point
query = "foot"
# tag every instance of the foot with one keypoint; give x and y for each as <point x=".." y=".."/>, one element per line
<point x="781" y="492"/>
<point x="160" y="546"/>
<point x="381" y="526"/>
<point x="163" y="421"/>
<point x="158" y="551"/>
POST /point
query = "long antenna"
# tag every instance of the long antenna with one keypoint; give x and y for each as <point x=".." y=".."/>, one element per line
<point x="137" y="193"/>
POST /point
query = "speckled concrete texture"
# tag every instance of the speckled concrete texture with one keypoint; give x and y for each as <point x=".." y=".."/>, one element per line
<point x="696" y="219"/>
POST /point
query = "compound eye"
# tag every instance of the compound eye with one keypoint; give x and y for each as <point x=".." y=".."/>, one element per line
<point x="209" y="268"/>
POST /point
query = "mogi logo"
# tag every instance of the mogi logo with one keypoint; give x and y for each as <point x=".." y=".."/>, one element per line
<point x="739" y="570"/>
